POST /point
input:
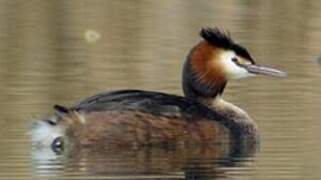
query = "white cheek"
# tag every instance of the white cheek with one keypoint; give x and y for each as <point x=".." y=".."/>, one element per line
<point x="232" y="70"/>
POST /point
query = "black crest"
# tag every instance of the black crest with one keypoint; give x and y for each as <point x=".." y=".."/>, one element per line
<point x="217" y="38"/>
<point x="223" y="40"/>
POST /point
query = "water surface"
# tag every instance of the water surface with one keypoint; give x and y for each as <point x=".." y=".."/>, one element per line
<point x="58" y="52"/>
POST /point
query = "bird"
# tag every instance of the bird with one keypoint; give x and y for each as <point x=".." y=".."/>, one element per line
<point x="140" y="118"/>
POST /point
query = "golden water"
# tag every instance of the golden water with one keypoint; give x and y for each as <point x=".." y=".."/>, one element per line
<point x="58" y="52"/>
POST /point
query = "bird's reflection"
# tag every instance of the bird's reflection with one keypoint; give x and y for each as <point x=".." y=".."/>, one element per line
<point x="196" y="162"/>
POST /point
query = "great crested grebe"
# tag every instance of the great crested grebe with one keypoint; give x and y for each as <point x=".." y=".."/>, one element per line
<point x="144" y="118"/>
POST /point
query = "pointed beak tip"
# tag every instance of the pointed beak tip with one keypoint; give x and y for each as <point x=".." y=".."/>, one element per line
<point x="262" y="70"/>
<point x="277" y="73"/>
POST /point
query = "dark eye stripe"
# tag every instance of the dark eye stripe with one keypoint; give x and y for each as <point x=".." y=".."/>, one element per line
<point x="235" y="60"/>
<point x="242" y="52"/>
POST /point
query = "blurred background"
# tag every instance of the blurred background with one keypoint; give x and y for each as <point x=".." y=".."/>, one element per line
<point x="58" y="52"/>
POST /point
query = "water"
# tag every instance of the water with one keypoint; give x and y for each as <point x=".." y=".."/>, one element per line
<point x="58" y="52"/>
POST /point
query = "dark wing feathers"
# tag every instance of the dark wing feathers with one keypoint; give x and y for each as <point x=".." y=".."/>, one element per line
<point x="151" y="102"/>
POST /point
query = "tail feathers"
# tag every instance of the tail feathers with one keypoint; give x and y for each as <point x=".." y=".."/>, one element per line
<point x="67" y="115"/>
<point x="61" y="110"/>
<point x="43" y="133"/>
